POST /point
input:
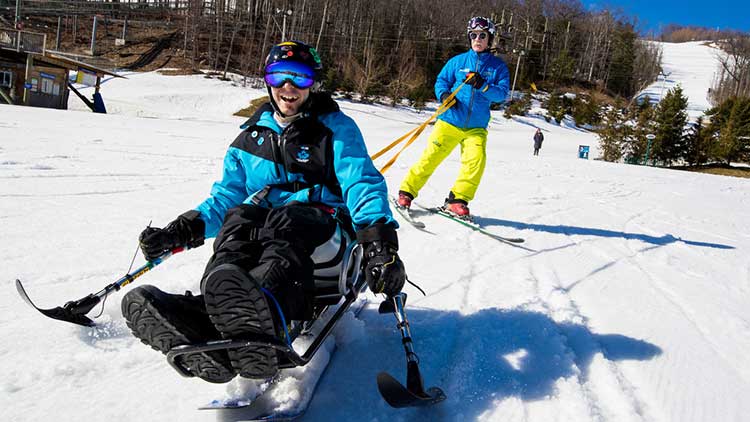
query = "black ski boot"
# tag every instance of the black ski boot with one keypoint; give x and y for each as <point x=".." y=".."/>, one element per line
<point x="163" y="321"/>
<point x="240" y="310"/>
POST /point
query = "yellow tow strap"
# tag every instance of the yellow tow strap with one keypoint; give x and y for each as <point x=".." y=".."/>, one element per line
<point x="449" y="101"/>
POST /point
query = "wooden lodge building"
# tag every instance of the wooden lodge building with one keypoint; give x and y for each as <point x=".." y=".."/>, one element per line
<point x="30" y="75"/>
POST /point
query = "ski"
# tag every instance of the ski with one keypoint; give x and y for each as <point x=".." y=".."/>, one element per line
<point x="75" y="311"/>
<point x="266" y="405"/>
<point x="262" y="408"/>
<point x="474" y="226"/>
<point x="406" y="213"/>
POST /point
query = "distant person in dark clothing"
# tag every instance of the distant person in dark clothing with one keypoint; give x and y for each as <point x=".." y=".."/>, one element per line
<point x="538" y="139"/>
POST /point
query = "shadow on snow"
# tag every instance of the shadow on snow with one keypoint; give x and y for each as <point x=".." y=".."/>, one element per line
<point x="588" y="231"/>
<point x="476" y="359"/>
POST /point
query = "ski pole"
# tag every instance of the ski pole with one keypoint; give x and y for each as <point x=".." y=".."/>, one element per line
<point x="75" y="311"/>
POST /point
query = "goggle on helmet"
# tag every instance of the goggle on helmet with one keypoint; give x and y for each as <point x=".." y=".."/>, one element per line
<point x="479" y="23"/>
<point x="293" y="62"/>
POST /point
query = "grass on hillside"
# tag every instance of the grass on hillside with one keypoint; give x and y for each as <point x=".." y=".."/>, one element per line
<point x="179" y="71"/>
<point x="253" y="107"/>
<point x="720" y="169"/>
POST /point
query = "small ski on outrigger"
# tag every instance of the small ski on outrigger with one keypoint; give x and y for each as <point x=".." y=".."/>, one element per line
<point x="413" y="394"/>
<point x="75" y="311"/>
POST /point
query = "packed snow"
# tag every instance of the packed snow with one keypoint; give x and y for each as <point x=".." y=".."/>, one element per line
<point x="691" y="65"/>
<point x="627" y="302"/>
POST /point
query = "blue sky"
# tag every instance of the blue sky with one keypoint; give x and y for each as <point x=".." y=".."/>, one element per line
<point x="653" y="14"/>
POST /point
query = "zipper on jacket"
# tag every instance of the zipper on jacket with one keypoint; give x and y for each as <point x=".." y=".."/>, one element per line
<point x="276" y="139"/>
<point x="471" y="99"/>
<point x="282" y="139"/>
<point x="283" y="158"/>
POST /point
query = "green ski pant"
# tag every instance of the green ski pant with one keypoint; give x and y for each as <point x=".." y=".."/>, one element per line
<point x="442" y="141"/>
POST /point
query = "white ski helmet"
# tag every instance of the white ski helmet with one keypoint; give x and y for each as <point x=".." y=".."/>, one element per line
<point x="480" y="23"/>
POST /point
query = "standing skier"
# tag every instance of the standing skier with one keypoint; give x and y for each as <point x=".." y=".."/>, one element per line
<point x="465" y="123"/>
<point x="538" y="139"/>
<point x="297" y="173"/>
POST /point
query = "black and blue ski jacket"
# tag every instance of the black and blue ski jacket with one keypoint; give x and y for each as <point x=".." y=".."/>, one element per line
<point x="319" y="158"/>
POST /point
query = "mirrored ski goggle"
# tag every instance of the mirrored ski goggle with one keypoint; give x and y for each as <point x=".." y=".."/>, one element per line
<point x="296" y="73"/>
<point x="479" y="23"/>
<point x="480" y="35"/>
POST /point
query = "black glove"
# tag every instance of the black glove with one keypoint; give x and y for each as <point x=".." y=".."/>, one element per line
<point x="443" y="96"/>
<point x="384" y="271"/>
<point x="477" y="81"/>
<point x="187" y="230"/>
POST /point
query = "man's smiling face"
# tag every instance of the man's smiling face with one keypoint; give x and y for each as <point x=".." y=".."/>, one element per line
<point x="289" y="98"/>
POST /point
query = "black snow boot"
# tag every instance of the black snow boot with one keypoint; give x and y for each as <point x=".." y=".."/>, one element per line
<point x="163" y="321"/>
<point x="240" y="310"/>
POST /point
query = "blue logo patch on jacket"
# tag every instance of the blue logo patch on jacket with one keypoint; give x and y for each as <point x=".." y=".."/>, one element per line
<point x="303" y="155"/>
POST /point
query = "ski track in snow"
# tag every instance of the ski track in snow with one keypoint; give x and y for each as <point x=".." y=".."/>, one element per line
<point x="688" y="314"/>
<point x="559" y="303"/>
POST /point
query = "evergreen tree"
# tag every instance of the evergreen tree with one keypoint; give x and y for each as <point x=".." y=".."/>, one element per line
<point x="586" y="110"/>
<point x="670" y="118"/>
<point x="718" y="117"/>
<point x="612" y="135"/>
<point x="555" y="107"/>
<point x="518" y="107"/>
<point x="562" y="68"/>
<point x="743" y="130"/>
<point x="730" y="126"/>
<point x="640" y="104"/>
<point x="735" y="135"/>
<point x="638" y="150"/>
<point x="623" y="58"/>
<point x="697" y="144"/>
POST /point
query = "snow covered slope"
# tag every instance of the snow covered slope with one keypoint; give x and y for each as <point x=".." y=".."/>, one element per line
<point x="187" y="97"/>
<point x="628" y="301"/>
<point x="691" y="65"/>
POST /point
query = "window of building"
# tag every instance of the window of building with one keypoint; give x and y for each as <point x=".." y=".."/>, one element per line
<point x="47" y="86"/>
<point x="6" y="79"/>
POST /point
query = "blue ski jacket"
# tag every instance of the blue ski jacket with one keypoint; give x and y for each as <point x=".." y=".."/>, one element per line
<point x="472" y="108"/>
<point x="319" y="158"/>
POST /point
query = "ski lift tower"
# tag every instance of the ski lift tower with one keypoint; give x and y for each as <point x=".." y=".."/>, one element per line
<point x="520" y="53"/>
<point x="284" y="13"/>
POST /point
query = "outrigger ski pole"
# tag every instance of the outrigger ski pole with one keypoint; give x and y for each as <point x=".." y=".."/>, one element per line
<point x="75" y="311"/>
<point x="393" y="391"/>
